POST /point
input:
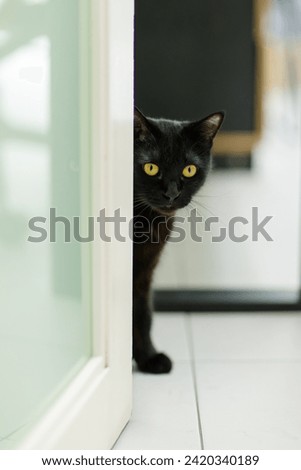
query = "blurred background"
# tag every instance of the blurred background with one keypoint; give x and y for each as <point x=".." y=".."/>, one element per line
<point x="242" y="57"/>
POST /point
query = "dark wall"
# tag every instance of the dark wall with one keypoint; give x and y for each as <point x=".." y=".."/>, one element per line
<point x="194" y="57"/>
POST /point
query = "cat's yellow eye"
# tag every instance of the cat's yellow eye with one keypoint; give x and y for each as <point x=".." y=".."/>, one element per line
<point x="151" y="169"/>
<point x="189" y="171"/>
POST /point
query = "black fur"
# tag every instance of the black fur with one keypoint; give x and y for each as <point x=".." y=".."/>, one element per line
<point x="171" y="145"/>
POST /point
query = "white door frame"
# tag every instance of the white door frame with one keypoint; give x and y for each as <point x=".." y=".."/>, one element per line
<point x="96" y="405"/>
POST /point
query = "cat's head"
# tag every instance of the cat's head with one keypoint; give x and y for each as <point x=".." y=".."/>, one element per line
<point x="171" y="159"/>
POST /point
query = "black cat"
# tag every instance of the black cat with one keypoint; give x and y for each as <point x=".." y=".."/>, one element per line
<point x="171" y="163"/>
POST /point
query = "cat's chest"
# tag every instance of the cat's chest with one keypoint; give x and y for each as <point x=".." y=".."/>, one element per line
<point x="152" y="230"/>
<point x="149" y="239"/>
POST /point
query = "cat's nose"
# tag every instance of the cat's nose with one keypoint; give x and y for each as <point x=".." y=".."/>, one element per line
<point x="172" y="193"/>
<point x="171" y="198"/>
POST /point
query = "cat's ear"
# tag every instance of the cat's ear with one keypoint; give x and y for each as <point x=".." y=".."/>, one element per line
<point x="209" y="126"/>
<point x="141" y="125"/>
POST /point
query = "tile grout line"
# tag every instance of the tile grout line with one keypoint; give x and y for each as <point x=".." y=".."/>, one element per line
<point x="193" y="370"/>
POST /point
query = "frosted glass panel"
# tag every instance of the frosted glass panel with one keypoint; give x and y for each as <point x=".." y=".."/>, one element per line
<point x="44" y="306"/>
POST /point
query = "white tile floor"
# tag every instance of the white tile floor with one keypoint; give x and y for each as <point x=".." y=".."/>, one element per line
<point x="236" y="384"/>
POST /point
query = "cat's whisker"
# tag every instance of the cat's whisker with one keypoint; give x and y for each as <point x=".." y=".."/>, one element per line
<point x="200" y="198"/>
<point x="221" y="219"/>
<point x="202" y="214"/>
<point x="146" y="206"/>
<point x="139" y="199"/>
<point x="189" y="209"/>
<point x="140" y="204"/>
<point x="192" y="207"/>
<point x="201" y="195"/>
<point x="204" y="207"/>
<point x="186" y="211"/>
<point x="140" y="208"/>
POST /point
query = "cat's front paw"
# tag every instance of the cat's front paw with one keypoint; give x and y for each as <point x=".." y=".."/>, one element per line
<point x="159" y="363"/>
